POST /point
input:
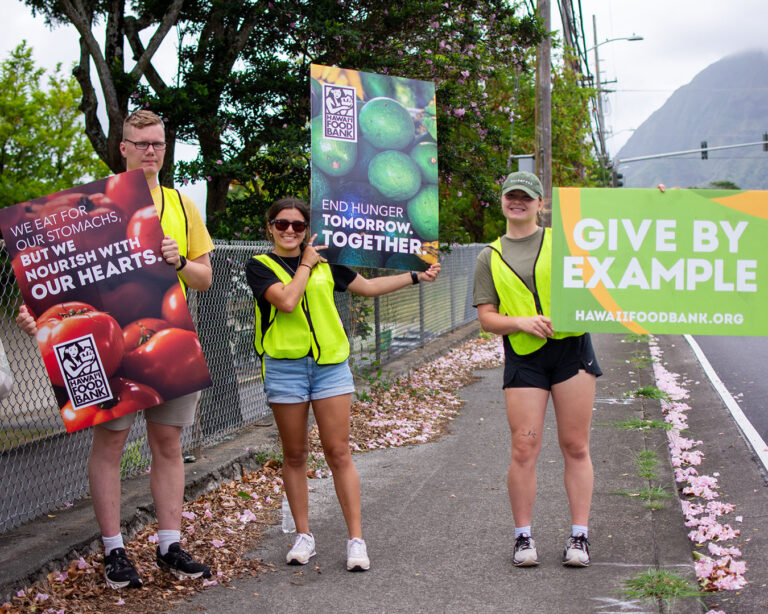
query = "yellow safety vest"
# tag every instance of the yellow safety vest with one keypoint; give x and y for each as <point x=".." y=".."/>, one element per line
<point x="517" y="300"/>
<point x="313" y="326"/>
<point x="173" y="219"/>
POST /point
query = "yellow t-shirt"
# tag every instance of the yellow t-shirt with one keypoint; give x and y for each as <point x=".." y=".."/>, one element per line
<point x="199" y="241"/>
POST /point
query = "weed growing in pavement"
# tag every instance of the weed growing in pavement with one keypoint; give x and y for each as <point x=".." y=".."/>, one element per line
<point x="637" y="424"/>
<point x="646" y="462"/>
<point x="660" y="585"/>
<point x="635" y="338"/>
<point x="641" y="360"/>
<point x="647" y="392"/>
<point x="651" y="495"/>
<point x="486" y="336"/>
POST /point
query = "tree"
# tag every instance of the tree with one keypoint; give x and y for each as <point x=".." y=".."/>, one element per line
<point x="242" y="91"/>
<point x="42" y="145"/>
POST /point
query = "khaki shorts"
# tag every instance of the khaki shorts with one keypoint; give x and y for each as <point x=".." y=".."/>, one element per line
<point x="176" y="412"/>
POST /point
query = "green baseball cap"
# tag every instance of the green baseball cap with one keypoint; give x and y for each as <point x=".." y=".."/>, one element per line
<point x="527" y="182"/>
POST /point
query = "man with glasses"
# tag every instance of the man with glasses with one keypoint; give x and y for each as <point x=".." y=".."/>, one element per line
<point x="185" y="246"/>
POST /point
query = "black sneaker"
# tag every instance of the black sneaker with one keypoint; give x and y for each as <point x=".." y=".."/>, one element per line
<point x="119" y="572"/>
<point x="576" y="553"/>
<point x="525" y="552"/>
<point x="181" y="564"/>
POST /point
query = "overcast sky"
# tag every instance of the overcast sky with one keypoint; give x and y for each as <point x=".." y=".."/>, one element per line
<point x="681" y="38"/>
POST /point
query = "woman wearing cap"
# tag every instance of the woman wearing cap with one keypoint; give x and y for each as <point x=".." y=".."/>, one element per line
<point x="304" y="350"/>
<point x="511" y="293"/>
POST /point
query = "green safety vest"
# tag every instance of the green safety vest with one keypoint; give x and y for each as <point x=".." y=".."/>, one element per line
<point x="313" y="326"/>
<point x="517" y="300"/>
<point x="173" y="219"/>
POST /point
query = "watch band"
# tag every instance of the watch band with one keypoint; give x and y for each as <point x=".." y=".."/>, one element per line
<point x="182" y="263"/>
<point x="414" y="278"/>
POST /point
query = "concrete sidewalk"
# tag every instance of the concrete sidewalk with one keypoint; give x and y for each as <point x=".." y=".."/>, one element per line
<point x="437" y="520"/>
<point x="440" y="534"/>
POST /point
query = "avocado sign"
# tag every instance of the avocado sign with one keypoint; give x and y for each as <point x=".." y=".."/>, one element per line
<point x="374" y="168"/>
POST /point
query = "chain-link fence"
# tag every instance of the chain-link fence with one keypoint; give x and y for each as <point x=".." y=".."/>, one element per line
<point x="43" y="468"/>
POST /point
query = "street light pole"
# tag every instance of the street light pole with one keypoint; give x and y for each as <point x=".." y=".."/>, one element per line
<point x="602" y="153"/>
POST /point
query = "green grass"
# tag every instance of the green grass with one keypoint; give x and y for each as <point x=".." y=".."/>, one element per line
<point x="635" y="338"/>
<point x="133" y="460"/>
<point x="637" y="424"/>
<point x="651" y="496"/>
<point x="646" y="462"/>
<point x="647" y="392"/>
<point x="641" y="360"/>
<point x="13" y="438"/>
<point x="660" y="585"/>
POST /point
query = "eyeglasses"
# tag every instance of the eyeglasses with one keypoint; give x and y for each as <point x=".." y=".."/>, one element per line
<point x="282" y="225"/>
<point x="144" y="145"/>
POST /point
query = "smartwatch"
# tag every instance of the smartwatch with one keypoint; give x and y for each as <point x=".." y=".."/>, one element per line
<point x="182" y="263"/>
<point x="414" y="278"/>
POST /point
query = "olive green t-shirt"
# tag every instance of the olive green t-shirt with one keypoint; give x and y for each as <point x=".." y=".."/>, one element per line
<point x="520" y="254"/>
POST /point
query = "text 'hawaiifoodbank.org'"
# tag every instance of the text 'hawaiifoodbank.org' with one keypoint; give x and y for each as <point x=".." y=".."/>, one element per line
<point x="672" y="317"/>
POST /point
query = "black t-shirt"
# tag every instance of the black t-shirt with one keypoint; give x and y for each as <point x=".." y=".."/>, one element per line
<point x="260" y="277"/>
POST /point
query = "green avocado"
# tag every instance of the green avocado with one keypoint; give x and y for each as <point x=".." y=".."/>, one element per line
<point x="425" y="156"/>
<point x="376" y="85"/>
<point x="333" y="157"/>
<point x="386" y="124"/>
<point x="360" y="257"/>
<point x="394" y="174"/>
<point x="423" y="213"/>
<point x="320" y="186"/>
<point x="406" y="262"/>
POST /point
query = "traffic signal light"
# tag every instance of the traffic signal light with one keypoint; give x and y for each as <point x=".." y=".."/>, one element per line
<point x="704" y="154"/>
<point x="617" y="179"/>
<point x="765" y="141"/>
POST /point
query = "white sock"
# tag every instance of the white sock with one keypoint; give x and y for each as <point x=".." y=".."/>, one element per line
<point x="520" y="530"/>
<point x="165" y="538"/>
<point x="110" y="543"/>
<point x="577" y="528"/>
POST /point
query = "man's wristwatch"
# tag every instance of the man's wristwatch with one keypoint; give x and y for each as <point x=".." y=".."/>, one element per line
<point x="414" y="278"/>
<point x="182" y="263"/>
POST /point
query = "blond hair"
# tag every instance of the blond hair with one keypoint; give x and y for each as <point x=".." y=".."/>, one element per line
<point x="141" y="119"/>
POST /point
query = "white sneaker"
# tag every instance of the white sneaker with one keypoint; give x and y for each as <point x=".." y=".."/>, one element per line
<point x="525" y="552"/>
<point x="303" y="550"/>
<point x="357" y="555"/>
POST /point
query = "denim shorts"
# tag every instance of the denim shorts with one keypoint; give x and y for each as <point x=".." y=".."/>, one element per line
<point x="297" y="380"/>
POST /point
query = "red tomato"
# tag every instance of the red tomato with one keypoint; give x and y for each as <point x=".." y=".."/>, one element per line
<point x="129" y="191"/>
<point x="90" y="220"/>
<point x="145" y="226"/>
<point x="139" y="332"/>
<point x="129" y="397"/>
<point x="130" y="297"/>
<point x="72" y="320"/>
<point x="54" y="288"/>
<point x="171" y="362"/>
<point x="175" y="308"/>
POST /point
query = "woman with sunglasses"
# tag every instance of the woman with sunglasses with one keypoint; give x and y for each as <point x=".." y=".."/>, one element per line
<point x="304" y="352"/>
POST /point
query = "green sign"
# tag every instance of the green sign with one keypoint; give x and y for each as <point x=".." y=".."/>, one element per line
<point x="678" y="262"/>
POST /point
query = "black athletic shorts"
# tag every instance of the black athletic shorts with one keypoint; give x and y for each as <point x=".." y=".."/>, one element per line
<point x="556" y="361"/>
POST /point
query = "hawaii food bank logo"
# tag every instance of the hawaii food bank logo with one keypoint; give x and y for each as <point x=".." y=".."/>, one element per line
<point x="339" y="112"/>
<point x="83" y="372"/>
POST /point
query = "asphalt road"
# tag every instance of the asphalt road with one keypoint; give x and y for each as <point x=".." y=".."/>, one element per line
<point x="740" y="362"/>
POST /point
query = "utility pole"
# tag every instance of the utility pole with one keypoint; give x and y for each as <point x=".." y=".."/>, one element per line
<point x="602" y="155"/>
<point x="544" y="102"/>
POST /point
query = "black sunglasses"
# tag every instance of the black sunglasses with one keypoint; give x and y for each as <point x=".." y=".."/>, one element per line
<point x="282" y="225"/>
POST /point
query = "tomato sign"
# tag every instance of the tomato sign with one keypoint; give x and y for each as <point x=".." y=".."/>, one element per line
<point x="113" y="325"/>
